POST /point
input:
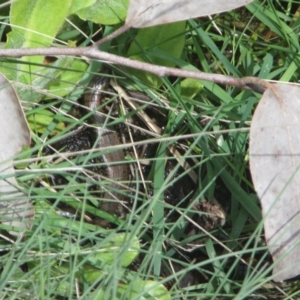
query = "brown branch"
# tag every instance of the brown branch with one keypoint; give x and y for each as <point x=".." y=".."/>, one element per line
<point x="92" y="52"/>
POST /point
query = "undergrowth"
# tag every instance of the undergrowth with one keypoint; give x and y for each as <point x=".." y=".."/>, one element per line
<point x="69" y="257"/>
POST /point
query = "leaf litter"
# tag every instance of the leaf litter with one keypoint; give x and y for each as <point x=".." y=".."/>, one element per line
<point x="15" y="208"/>
<point x="275" y="168"/>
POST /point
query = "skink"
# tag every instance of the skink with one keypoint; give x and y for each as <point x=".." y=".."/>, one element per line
<point x="108" y="138"/>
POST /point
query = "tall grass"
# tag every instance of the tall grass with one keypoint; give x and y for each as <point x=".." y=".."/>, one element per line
<point x="63" y="257"/>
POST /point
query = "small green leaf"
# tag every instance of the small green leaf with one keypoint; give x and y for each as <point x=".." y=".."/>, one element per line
<point x="150" y="42"/>
<point x="106" y="12"/>
<point x="68" y="78"/>
<point x="89" y="274"/>
<point x="190" y="87"/>
<point x="57" y="272"/>
<point x="39" y="121"/>
<point x="149" y="289"/>
<point x="144" y="290"/>
<point x="113" y="250"/>
<point x="158" y="292"/>
<point x="23" y="155"/>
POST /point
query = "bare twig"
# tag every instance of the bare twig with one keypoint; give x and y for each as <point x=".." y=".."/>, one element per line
<point x="161" y="71"/>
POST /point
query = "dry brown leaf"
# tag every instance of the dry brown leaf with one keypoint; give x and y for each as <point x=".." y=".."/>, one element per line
<point x="15" y="208"/>
<point x="275" y="166"/>
<point x="146" y="13"/>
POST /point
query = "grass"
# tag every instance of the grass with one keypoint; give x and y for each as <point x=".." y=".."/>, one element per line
<point x="67" y="258"/>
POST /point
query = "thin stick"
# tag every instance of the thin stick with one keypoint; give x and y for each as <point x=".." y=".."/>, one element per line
<point x="160" y="71"/>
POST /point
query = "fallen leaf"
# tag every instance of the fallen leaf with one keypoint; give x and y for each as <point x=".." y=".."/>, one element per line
<point x="275" y="165"/>
<point x="146" y="13"/>
<point x="15" y="208"/>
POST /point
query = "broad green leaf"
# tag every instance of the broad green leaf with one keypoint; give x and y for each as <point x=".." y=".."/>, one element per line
<point x="34" y="23"/>
<point x="275" y="170"/>
<point x="15" y="208"/>
<point x="168" y="39"/>
<point x="79" y="4"/>
<point x="60" y="77"/>
<point x="106" y="12"/>
<point x="146" y="13"/>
